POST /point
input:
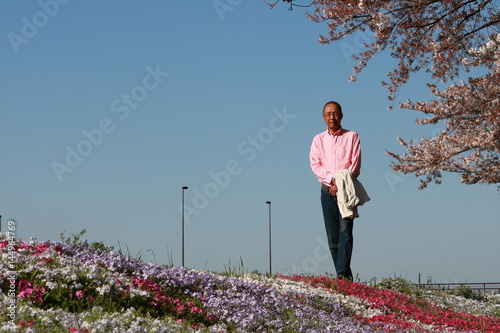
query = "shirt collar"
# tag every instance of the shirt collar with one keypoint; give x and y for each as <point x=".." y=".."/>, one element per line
<point x="336" y="133"/>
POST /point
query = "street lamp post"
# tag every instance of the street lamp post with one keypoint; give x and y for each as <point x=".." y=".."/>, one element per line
<point x="183" y="188"/>
<point x="270" y="255"/>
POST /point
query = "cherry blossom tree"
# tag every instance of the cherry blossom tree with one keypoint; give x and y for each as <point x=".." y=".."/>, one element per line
<point x="450" y="40"/>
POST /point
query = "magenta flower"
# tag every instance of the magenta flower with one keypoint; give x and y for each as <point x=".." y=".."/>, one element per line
<point x="33" y="293"/>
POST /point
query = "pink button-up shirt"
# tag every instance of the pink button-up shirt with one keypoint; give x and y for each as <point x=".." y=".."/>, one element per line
<point x="334" y="152"/>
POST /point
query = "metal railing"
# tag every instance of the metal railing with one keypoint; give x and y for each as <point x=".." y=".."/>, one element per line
<point x="481" y="287"/>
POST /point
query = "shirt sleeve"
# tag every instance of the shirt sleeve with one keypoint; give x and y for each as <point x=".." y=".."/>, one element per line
<point x="324" y="176"/>
<point x="355" y="165"/>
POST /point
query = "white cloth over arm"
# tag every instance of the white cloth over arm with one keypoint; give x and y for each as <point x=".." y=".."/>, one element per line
<point x="350" y="194"/>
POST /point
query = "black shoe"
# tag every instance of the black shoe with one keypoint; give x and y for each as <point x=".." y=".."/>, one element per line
<point x="344" y="276"/>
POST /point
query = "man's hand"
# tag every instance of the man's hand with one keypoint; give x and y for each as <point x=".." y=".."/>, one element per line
<point x="333" y="188"/>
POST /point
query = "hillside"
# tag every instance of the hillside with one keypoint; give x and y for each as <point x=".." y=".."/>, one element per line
<point x="72" y="286"/>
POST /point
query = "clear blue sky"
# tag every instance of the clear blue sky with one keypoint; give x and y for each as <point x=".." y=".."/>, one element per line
<point x="109" y="108"/>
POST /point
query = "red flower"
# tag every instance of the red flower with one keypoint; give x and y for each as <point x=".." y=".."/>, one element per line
<point x="401" y="310"/>
<point x="42" y="247"/>
<point x="34" y="293"/>
<point x="26" y="323"/>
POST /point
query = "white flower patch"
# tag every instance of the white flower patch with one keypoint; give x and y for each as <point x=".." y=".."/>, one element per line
<point x="354" y="304"/>
<point x="51" y="285"/>
<point x="104" y="289"/>
<point x="462" y="304"/>
<point x="138" y="293"/>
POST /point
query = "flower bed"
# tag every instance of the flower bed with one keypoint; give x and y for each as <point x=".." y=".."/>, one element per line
<point x="403" y="311"/>
<point x="65" y="287"/>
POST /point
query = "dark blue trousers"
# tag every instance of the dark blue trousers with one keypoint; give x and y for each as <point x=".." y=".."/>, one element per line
<point x="338" y="233"/>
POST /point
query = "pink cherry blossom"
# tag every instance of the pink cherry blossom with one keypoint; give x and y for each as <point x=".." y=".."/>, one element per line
<point x="447" y="39"/>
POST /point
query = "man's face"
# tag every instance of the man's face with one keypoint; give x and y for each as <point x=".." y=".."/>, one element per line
<point x="332" y="117"/>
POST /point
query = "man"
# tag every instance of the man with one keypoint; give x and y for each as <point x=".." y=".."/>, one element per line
<point x="331" y="151"/>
